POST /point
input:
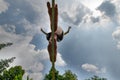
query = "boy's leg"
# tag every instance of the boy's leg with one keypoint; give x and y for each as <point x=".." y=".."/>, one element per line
<point x="50" y="13"/>
<point x="56" y="18"/>
<point x="55" y="15"/>
<point x="50" y="51"/>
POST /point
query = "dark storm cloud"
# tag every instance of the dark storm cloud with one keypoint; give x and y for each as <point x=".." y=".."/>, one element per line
<point x="79" y="13"/>
<point x="94" y="20"/>
<point x="91" y="19"/>
<point x="66" y="17"/>
<point x="23" y="14"/>
<point x="17" y="10"/>
<point x="108" y="8"/>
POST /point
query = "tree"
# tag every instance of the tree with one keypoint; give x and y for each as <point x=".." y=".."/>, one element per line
<point x="5" y="45"/>
<point x="68" y="75"/>
<point x="29" y="78"/>
<point x="49" y="76"/>
<point x="14" y="73"/>
<point x="96" y="78"/>
<point x="5" y="64"/>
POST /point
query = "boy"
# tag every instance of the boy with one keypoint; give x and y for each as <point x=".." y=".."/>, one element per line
<point x="58" y="32"/>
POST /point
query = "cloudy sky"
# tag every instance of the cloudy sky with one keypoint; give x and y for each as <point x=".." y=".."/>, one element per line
<point x="91" y="48"/>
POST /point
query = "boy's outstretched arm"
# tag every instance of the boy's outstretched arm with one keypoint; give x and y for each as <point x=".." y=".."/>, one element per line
<point x="67" y="30"/>
<point x="43" y="31"/>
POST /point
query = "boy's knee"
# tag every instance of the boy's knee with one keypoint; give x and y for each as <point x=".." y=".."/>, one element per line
<point x="55" y="5"/>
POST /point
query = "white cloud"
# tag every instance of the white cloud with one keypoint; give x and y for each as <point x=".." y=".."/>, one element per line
<point x="3" y="6"/>
<point x="28" y="27"/>
<point x="92" y="68"/>
<point x="116" y="36"/>
<point x="92" y="4"/>
<point x="73" y="14"/>
<point x="7" y="37"/>
<point x="9" y="28"/>
<point x="36" y="76"/>
<point x="36" y="67"/>
<point x="37" y="4"/>
<point x="60" y="61"/>
<point x="43" y="55"/>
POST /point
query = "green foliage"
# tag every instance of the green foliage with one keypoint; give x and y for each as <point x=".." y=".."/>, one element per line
<point x="68" y="75"/>
<point x="5" y="45"/>
<point x="14" y="73"/>
<point x="49" y="76"/>
<point x="96" y="78"/>
<point x="5" y="64"/>
<point x="29" y="78"/>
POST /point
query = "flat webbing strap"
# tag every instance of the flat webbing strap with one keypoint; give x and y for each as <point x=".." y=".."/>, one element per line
<point x="53" y="53"/>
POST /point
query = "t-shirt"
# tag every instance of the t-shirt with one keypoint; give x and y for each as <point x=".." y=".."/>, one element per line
<point x="59" y="34"/>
